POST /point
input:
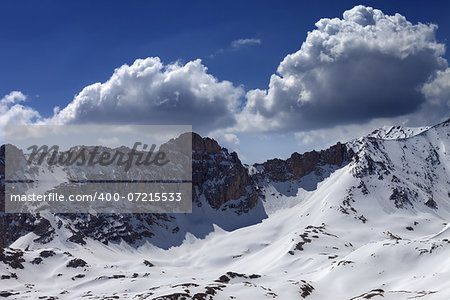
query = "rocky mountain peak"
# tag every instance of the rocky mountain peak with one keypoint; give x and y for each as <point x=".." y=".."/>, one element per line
<point x="205" y="145"/>
<point x="220" y="176"/>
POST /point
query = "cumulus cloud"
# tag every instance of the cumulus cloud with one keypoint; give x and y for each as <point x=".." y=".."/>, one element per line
<point x="439" y="89"/>
<point x="437" y="93"/>
<point x="147" y="92"/>
<point x="237" y="44"/>
<point x="13" y="97"/>
<point x="364" y="66"/>
<point x="228" y="140"/>
<point x="13" y="113"/>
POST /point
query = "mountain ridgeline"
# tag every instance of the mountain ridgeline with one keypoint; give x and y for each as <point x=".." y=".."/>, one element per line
<point x="223" y="184"/>
<point x="219" y="180"/>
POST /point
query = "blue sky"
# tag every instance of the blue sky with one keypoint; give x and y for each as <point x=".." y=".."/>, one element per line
<point x="51" y="50"/>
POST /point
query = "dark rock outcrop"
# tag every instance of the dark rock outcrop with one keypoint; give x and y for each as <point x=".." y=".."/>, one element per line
<point x="76" y="262"/>
<point x="299" y="165"/>
<point x="219" y="176"/>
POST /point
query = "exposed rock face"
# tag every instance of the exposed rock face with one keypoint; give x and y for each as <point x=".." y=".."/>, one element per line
<point x="13" y="226"/>
<point x="396" y="132"/>
<point x="299" y="165"/>
<point x="219" y="176"/>
<point x="204" y="145"/>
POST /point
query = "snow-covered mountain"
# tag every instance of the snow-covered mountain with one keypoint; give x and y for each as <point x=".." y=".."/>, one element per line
<point x="366" y="219"/>
<point x="396" y="132"/>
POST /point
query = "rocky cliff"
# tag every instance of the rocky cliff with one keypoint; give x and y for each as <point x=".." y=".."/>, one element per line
<point x="299" y="165"/>
<point x="219" y="176"/>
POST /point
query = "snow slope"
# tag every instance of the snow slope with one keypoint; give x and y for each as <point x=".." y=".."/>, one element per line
<point x="396" y="132"/>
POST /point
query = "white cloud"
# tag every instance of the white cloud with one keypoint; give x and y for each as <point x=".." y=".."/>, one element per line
<point x="228" y="140"/>
<point x="112" y="141"/>
<point x="12" y="113"/>
<point x="237" y="44"/>
<point x="13" y="97"/>
<point x="231" y="139"/>
<point x="324" y="138"/>
<point x="147" y="92"/>
<point x="439" y="88"/>
<point x="364" y="66"/>
<point x="437" y="93"/>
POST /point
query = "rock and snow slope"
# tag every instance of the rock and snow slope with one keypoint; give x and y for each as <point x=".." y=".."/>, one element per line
<point x="371" y="224"/>
<point x="396" y="132"/>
